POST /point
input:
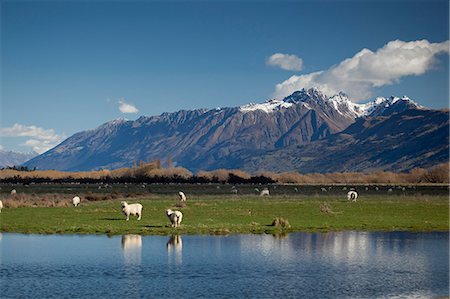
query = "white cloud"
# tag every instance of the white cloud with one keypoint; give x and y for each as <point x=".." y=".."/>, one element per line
<point x="359" y="75"/>
<point x="285" y="61"/>
<point x="125" y="107"/>
<point x="41" y="139"/>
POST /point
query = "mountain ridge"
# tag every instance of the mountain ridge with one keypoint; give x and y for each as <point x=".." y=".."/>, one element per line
<point x="13" y="158"/>
<point x="205" y="139"/>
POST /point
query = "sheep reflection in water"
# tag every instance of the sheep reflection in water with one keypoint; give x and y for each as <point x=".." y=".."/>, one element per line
<point x="175" y="248"/>
<point x="132" y="247"/>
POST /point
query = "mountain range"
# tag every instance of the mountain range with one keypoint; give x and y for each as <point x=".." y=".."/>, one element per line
<point x="12" y="158"/>
<point x="306" y="132"/>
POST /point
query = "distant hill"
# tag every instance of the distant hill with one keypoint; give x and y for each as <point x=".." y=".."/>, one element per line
<point x="12" y="158"/>
<point x="307" y="132"/>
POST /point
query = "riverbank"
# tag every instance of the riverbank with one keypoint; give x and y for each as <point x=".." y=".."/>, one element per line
<point x="224" y="215"/>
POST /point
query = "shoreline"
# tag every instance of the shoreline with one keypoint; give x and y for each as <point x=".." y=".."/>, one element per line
<point x="273" y="233"/>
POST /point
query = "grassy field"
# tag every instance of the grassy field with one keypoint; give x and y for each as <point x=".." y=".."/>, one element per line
<point x="230" y="214"/>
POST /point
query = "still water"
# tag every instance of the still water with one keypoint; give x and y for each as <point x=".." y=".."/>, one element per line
<point x="299" y="265"/>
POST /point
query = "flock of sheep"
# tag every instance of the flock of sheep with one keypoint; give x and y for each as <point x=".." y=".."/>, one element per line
<point x="175" y="217"/>
<point x="135" y="209"/>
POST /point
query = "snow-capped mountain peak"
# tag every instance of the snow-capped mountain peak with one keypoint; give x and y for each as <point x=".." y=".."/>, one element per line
<point x="267" y="107"/>
<point x="339" y="103"/>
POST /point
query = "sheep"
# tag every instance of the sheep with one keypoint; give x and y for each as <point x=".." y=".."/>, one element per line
<point x="134" y="209"/>
<point x="264" y="192"/>
<point x="323" y="189"/>
<point x="182" y="196"/>
<point x="76" y="201"/>
<point x="175" y="217"/>
<point x="1" y="206"/>
<point x="353" y="195"/>
<point x="13" y="192"/>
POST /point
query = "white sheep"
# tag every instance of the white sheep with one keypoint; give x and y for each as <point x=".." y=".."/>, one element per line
<point x="264" y="192"/>
<point x="182" y="196"/>
<point x="175" y="217"/>
<point x="76" y="201"/>
<point x="13" y="192"/>
<point x="1" y="206"/>
<point x="134" y="209"/>
<point x="353" y="195"/>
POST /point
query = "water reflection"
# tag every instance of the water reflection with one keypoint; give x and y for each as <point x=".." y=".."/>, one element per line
<point x="298" y="265"/>
<point x="174" y="249"/>
<point x="132" y="248"/>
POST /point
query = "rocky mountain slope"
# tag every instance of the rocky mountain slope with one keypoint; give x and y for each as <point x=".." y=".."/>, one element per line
<point x="244" y="137"/>
<point x="400" y="142"/>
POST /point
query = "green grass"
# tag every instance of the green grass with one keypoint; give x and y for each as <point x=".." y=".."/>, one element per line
<point x="223" y="215"/>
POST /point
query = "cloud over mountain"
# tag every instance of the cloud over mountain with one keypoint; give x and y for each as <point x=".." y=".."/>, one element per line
<point x="367" y="70"/>
<point x="125" y="107"/>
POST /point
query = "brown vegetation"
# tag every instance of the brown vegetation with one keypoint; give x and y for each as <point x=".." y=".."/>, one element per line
<point x="281" y="223"/>
<point x="153" y="173"/>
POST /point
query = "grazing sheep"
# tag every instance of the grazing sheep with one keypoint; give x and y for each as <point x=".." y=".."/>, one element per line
<point x="13" y="192"/>
<point x="175" y="217"/>
<point x="182" y="196"/>
<point x="1" y="206"/>
<point x="353" y="195"/>
<point x="134" y="209"/>
<point x="264" y="192"/>
<point x="323" y="189"/>
<point x="76" y="201"/>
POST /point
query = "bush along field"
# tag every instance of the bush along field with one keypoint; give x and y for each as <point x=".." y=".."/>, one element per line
<point x="225" y="214"/>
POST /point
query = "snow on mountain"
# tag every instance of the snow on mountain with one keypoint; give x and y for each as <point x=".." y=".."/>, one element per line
<point x="339" y="102"/>
<point x="205" y="139"/>
<point x="12" y="158"/>
<point x="267" y="107"/>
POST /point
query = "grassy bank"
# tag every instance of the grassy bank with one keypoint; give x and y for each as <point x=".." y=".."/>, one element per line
<point x="223" y="215"/>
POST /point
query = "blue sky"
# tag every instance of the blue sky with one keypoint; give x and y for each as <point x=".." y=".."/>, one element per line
<point x="69" y="66"/>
